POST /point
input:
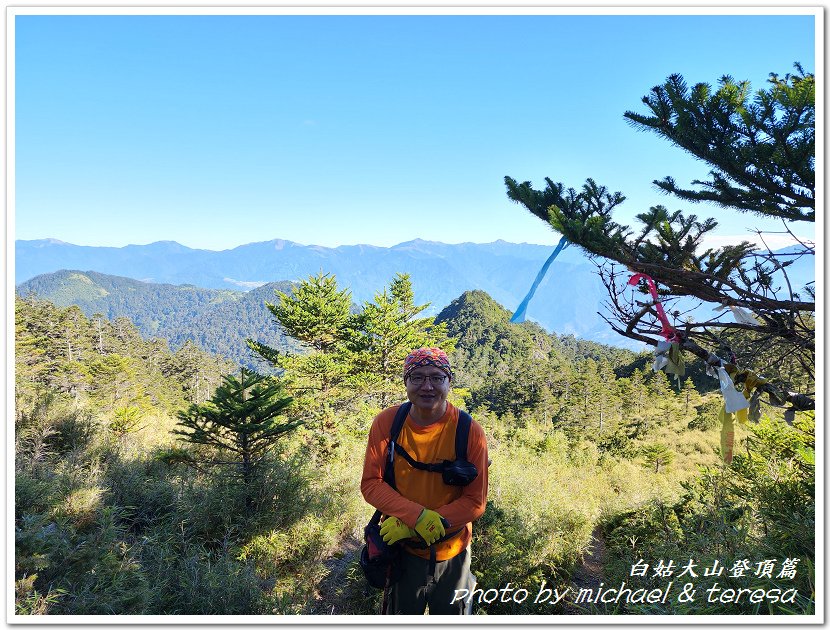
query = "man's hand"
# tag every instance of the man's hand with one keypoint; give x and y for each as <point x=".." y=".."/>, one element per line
<point x="394" y="529"/>
<point x="429" y="526"/>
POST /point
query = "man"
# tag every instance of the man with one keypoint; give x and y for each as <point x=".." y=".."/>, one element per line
<point x="431" y="519"/>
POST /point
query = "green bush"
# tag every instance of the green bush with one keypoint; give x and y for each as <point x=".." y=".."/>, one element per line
<point x="190" y="579"/>
<point x="761" y="507"/>
<point x="27" y="601"/>
<point x="95" y="569"/>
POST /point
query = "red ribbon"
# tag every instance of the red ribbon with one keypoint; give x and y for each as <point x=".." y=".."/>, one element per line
<point x="668" y="331"/>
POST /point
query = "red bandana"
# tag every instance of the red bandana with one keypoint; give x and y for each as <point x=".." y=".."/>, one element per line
<point x="427" y="356"/>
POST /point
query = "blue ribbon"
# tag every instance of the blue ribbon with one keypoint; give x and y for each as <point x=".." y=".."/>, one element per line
<point x="519" y="315"/>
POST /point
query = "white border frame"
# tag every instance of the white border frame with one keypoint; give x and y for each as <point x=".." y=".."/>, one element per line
<point x="374" y="8"/>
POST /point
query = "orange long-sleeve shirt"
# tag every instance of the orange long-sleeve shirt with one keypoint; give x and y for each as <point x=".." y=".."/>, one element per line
<point x="419" y="489"/>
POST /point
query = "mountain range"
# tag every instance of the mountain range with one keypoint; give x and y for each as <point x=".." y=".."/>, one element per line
<point x="220" y="320"/>
<point x="566" y="301"/>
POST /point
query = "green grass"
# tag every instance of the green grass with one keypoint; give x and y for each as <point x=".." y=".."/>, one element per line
<point x="105" y="527"/>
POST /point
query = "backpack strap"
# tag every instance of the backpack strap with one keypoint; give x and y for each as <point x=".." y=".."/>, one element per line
<point x="462" y="434"/>
<point x="400" y="418"/>
<point x="397" y="425"/>
<point x="415" y="463"/>
<point x="389" y="469"/>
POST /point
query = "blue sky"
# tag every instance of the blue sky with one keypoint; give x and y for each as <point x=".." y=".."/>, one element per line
<point x="215" y="131"/>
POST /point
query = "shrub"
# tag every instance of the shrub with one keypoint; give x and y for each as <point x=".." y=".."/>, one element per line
<point x="95" y="570"/>
<point x="760" y="507"/>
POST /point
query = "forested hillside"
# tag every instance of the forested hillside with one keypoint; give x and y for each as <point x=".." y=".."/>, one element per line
<point x="216" y="320"/>
<point x="121" y="509"/>
<point x="505" y="270"/>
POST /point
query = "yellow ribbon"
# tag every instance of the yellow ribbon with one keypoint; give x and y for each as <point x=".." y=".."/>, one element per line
<point x="727" y="434"/>
<point x="751" y="381"/>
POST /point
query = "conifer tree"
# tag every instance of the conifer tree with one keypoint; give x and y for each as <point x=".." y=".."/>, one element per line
<point x="115" y="379"/>
<point x="244" y="417"/>
<point x="318" y="314"/>
<point x="657" y="455"/>
<point x="349" y="352"/>
<point x="659" y="386"/>
<point x="632" y="393"/>
<point x="125" y="420"/>
<point x="608" y="403"/>
<point x="386" y="330"/>
<point x="198" y="372"/>
<point x="761" y="148"/>
<point x="34" y="355"/>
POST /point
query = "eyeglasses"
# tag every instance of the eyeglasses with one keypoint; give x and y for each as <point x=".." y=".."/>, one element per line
<point x="418" y="380"/>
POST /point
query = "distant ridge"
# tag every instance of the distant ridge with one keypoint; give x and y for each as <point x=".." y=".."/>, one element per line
<point x="566" y="302"/>
<point x="440" y="272"/>
<point x="217" y="320"/>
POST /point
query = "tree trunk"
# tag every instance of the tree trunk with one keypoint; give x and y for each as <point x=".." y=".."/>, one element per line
<point x="100" y="336"/>
<point x="246" y="475"/>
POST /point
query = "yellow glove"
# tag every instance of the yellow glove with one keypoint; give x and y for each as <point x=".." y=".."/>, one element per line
<point x="429" y="526"/>
<point x="394" y="529"/>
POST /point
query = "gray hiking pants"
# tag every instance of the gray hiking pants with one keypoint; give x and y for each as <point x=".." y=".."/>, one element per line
<point x="416" y="589"/>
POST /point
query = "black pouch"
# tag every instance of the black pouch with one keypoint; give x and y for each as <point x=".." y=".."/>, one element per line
<point x="378" y="560"/>
<point x="459" y="473"/>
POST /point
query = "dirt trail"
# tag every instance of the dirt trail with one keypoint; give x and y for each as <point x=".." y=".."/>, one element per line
<point x="331" y="590"/>
<point x="592" y="570"/>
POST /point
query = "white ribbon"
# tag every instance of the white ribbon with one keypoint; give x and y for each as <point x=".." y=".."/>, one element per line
<point x="732" y="398"/>
<point x="741" y="315"/>
<point x="661" y="355"/>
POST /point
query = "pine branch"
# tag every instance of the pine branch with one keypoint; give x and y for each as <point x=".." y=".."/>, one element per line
<point x="762" y="149"/>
